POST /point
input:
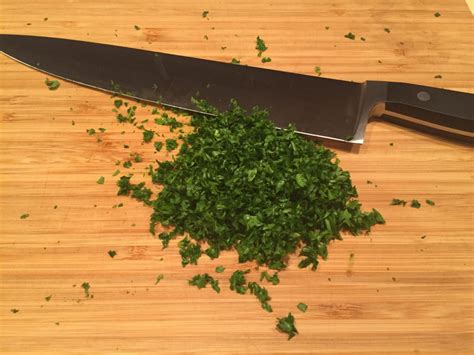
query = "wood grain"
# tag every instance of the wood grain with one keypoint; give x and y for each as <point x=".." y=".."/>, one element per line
<point x="401" y="294"/>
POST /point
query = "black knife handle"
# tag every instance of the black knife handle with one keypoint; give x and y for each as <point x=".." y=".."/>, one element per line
<point x="446" y="108"/>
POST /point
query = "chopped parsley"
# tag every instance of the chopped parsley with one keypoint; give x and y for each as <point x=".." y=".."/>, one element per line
<point x="387" y="30"/>
<point x="266" y="59"/>
<point x="350" y="35"/>
<point x="429" y="202"/>
<point x="148" y="136"/>
<point x="118" y="103"/>
<point x="86" y="287"/>
<point x="127" y="164"/>
<point x="206" y="37"/>
<point x="171" y="144"/>
<point x="158" y="146"/>
<point x="112" y="253"/>
<point x="260" y="46"/>
<point x="302" y="307"/>
<point x="24" y="216"/>
<point x="437" y="14"/>
<point x="116" y="172"/>
<point x="398" y="202"/>
<point x="190" y="252"/>
<point x="90" y="131"/>
<point x="220" y="269"/>
<point x="205" y="13"/>
<point x="235" y="61"/>
<point x="262" y="295"/>
<point x="136" y="27"/>
<point x="159" y="278"/>
<point x="14" y="310"/>
<point x="317" y="70"/>
<point x="166" y="120"/>
<point x="362" y="39"/>
<point x="287" y="325"/>
<point x="415" y="204"/>
<point x="202" y="280"/>
<point x="438" y="76"/>
<point x="101" y="180"/>
<point x="52" y="84"/>
<point x="238" y="282"/>
<point x="274" y="279"/>
<point x="137" y="158"/>
<point x="48" y="298"/>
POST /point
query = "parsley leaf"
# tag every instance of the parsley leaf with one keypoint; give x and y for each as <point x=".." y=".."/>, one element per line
<point x="273" y="279"/>
<point x="202" y="280"/>
<point x="220" y="269"/>
<point x="52" y="84"/>
<point x="266" y="59"/>
<point x="397" y="202"/>
<point x="171" y="144"/>
<point x="159" y="278"/>
<point x="415" y="204"/>
<point x="189" y="252"/>
<point x="238" y="282"/>
<point x="148" y="136"/>
<point x="118" y="103"/>
<point x="317" y="70"/>
<point x="262" y="295"/>
<point x="260" y="46"/>
<point x="86" y="286"/>
<point x="101" y="180"/>
<point x="302" y="307"/>
<point x="235" y="61"/>
<point x="158" y="146"/>
<point x="287" y="325"/>
<point x="429" y="202"/>
<point x="350" y="35"/>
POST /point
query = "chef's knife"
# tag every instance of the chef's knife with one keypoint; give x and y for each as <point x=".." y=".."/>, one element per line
<point x="320" y="107"/>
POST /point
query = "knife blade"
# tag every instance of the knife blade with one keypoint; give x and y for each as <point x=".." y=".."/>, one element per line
<point x="321" y="107"/>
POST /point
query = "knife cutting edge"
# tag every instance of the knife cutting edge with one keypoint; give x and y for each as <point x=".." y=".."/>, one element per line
<point x="320" y="107"/>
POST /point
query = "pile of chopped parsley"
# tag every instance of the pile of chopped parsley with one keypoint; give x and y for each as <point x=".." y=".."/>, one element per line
<point x="239" y="183"/>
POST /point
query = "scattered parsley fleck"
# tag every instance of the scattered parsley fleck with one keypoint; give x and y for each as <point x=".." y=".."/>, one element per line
<point x="159" y="278"/>
<point x="24" y="216"/>
<point x="362" y="39"/>
<point x="190" y="252"/>
<point x="45" y="19"/>
<point x="398" y="202"/>
<point x="429" y="202"/>
<point x="55" y="206"/>
<point x="118" y="103"/>
<point x="235" y="61"/>
<point x="86" y="287"/>
<point x="102" y="130"/>
<point x="158" y="146"/>
<point x="14" y="310"/>
<point x="327" y="27"/>
<point x="391" y="144"/>
<point x="369" y="182"/>
<point x="148" y="136"/>
<point x="350" y="35"/>
<point x="266" y="59"/>
<point x="48" y="298"/>
<point x="423" y="236"/>
<point x="260" y="46"/>
<point x="220" y="269"/>
<point x="415" y="204"/>
<point x="52" y="84"/>
<point x="116" y="172"/>
<point x="387" y="30"/>
<point x="438" y="76"/>
<point x="90" y="131"/>
<point x="137" y="158"/>
<point x="205" y="13"/>
<point x="223" y="47"/>
<point x="302" y="307"/>
<point x="73" y="123"/>
<point x="287" y="325"/>
<point x="317" y="70"/>
<point x="171" y="144"/>
<point x="101" y="180"/>
<point x="137" y="27"/>
<point x="206" y="37"/>
<point x="112" y="253"/>
<point x="437" y="14"/>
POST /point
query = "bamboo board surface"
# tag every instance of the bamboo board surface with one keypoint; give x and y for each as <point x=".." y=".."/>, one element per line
<point x="401" y="293"/>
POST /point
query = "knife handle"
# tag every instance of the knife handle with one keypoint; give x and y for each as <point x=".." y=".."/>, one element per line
<point x="437" y="109"/>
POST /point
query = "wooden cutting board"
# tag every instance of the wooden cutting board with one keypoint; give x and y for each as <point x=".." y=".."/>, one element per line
<point x="409" y="286"/>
